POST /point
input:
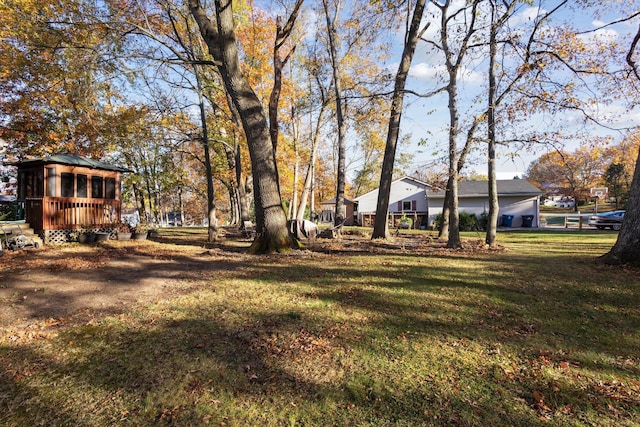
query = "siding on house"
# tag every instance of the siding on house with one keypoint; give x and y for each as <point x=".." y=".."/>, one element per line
<point x="407" y="195"/>
<point x="516" y="197"/>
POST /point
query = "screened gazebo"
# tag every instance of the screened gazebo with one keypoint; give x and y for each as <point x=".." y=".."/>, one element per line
<point x="64" y="193"/>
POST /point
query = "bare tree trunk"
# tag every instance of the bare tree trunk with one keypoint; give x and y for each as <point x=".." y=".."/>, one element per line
<point x="380" y="227"/>
<point x="453" y="62"/>
<point x="340" y="211"/>
<point x="443" y="230"/>
<point x="141" y="204"/>
<point x="271" y="220"/>
<point x="453" y="241"/>
<point x="180" y="206"/>
<point x="308" y="190"/>
<point x="293" y="206"/>
<point x="282" y="34"/>
<point x="492" y="222"/>
<point x="212" y="227"/>
<point x="234" y="215"/>
<point x="312" y="200"/>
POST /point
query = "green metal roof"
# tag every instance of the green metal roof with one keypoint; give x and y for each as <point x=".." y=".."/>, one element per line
<point x="65" y="159"/>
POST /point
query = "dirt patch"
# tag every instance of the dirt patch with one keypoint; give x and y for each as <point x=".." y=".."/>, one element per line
<point x="79" y="282"/>
<point x="85" y="281"/>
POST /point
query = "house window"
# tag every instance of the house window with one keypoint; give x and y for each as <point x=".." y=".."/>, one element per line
<point x="110" y="188"/>
<point x="51" y="182"/>
<point x="406" y="205"/>
<point x="66" y="184"/>
<point x="81" y="186"/>
<point x="96" y="187"/>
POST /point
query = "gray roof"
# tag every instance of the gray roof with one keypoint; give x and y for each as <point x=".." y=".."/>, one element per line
<point x="66" y="159"/>
<point x="506" y="187"/>
<point x="404" y="178"/>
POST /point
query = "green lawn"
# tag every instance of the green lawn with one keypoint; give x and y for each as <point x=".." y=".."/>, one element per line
<point x="535" y="334"/>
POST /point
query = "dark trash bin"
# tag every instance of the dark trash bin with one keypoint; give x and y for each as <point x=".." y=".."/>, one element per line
<point x="527" y="220"/>
<point x="507" y="220"/>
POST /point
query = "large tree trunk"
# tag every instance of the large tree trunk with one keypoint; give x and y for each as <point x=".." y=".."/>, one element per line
<point x="627" y="247"/>
<point x="380" y="226"/>
<point x="271" y="220"/>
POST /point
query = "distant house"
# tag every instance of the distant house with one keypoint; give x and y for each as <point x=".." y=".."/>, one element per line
<point x="328" y="208"/>
<point x="408" y="198"/>
<point x="516" y="197"/>
<point x="560" y="201"/>
<point x="64" y="193"/>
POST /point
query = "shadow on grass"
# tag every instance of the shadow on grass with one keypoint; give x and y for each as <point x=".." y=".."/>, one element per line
<point x="395" y="339"/>
<point x="187" y="371"/>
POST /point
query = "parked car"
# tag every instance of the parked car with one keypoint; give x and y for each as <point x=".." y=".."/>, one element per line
<point x="612" y="220"/>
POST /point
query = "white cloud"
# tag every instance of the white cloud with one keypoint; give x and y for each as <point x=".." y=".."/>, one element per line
<point x="599" y="36"/>
<point x="527" y="16"/>
<point x="427" y="72"/>
<point x="424" y="71"/>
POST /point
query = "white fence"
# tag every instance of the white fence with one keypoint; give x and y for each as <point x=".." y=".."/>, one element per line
<point x="557" y="220"/>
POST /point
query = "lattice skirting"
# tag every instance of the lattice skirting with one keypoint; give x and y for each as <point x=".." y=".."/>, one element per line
<point x="61" y="237"/>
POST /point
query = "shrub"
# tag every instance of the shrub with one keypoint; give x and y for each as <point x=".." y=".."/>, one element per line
<point x="468" y="221"/>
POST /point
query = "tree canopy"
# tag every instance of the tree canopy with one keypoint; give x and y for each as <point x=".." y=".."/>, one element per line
<point x="145" y="82"/>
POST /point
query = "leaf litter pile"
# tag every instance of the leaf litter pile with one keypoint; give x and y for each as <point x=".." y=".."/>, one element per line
<point x="343" y="332"/>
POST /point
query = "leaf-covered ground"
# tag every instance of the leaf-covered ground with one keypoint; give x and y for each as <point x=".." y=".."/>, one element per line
<point x="351" y="332"/>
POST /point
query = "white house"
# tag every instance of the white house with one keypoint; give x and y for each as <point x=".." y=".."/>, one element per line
<point x="516" y="198"/>
<point x="560" y="201"/>
<point x="423" y="203"/>
<point x="408" y="197"/>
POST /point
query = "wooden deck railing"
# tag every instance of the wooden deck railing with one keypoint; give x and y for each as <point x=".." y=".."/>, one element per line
<point x="59" y="213"/>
